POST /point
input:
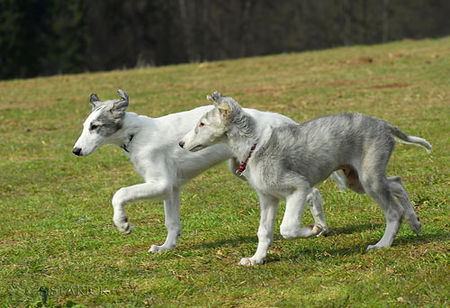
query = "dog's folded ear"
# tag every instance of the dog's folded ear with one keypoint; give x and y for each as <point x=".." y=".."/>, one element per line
<point x="224" y="109"/>
<point x="214" y="97"/>
<point x="223" y="104"/>
<point x="94" y="100"/>
<point x="123" y="94"/>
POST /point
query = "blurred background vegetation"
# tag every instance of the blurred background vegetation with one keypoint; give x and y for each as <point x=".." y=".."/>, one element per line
<point x="46" y="37"/>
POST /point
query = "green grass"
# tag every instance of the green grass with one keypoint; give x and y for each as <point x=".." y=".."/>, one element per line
<point x="56" y="232"/>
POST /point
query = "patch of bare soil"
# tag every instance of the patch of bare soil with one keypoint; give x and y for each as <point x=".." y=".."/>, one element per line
<point x="390" y="85"/>
<point x="358" y="61"/>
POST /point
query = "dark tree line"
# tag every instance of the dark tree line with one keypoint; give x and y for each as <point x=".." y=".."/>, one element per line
<point x="44" y="37"/>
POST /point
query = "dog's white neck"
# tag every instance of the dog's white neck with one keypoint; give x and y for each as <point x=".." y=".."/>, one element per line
<point x="130" y="127"/>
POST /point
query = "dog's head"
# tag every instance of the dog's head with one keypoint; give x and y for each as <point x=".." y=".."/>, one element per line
<point x="213" y="125"/>
<point x="105" y="120"/>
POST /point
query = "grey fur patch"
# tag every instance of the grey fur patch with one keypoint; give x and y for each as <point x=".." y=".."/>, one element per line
<point x="110" y="118"/>
<point x="106" y="123"/>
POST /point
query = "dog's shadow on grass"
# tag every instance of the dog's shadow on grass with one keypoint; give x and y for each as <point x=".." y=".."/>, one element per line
<point x="323" y="253"/>
<point x="420" y="239"/>
<point x="353" y="229"/>
<point x="254" y="239"/>
<point x="235" y="241"/>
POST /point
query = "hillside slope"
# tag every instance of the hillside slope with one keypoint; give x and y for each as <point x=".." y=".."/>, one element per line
<point x="58" y="245"/>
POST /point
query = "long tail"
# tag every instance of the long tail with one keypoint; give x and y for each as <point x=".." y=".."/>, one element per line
<point x="403" y="138"/>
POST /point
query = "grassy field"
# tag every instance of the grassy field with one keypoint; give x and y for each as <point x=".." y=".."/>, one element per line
<point x="58" y="245"/>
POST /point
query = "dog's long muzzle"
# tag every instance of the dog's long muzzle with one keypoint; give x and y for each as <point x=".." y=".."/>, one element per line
<point x="194" y="149"/>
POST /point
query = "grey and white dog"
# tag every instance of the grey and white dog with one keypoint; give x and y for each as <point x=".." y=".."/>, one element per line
<point x="151" y="145"/>
<point x="287" y="161"/>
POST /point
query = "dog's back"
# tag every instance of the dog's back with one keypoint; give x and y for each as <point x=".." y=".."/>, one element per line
<point x="320" y="146"/>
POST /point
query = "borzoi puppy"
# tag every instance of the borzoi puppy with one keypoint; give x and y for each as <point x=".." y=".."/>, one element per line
<point x="151" y="145"/>
<point x="287" y="161"/>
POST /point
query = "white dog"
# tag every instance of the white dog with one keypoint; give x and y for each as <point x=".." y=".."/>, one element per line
<point x="152" y="146"/>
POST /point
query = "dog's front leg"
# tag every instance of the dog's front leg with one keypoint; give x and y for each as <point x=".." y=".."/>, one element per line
<point x="269" y="207"/>
<point x="156" y="190"/>
<point x="290" y="225"/>
<point x="172" y="222"/>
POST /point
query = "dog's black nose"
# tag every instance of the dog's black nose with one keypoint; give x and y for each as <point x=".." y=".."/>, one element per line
<point x="181" y="144"/>
<point x="76" y="151"/>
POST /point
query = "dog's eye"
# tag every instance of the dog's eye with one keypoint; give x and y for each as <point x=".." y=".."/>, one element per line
<point x="201" y="124"/>
<point x="93" y="127"/>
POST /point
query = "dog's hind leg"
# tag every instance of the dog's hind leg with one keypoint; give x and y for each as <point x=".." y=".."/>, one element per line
<point x="315" y="203"/>
<point x="377" y="186"/>
<point x="399" y="191"/>
<point x="371" y="172"/>
<point x="268" y="207"/>
<point x="172" y="222"/>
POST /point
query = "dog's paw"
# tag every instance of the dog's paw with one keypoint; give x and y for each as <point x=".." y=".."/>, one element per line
<point x="127" y="228"/>
<point x="373" y="247"/>
<point x="250" y="262"/>
<point x="417" y="228"/>
<point x="157" y="249"/>
<point x="124" y="226"/>
<point x="414" y="224"/>
<point x="323" y="231"/>
<point x="317" y="230"/>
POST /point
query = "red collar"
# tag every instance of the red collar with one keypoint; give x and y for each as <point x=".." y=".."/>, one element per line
<point x="244" y="164"/>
